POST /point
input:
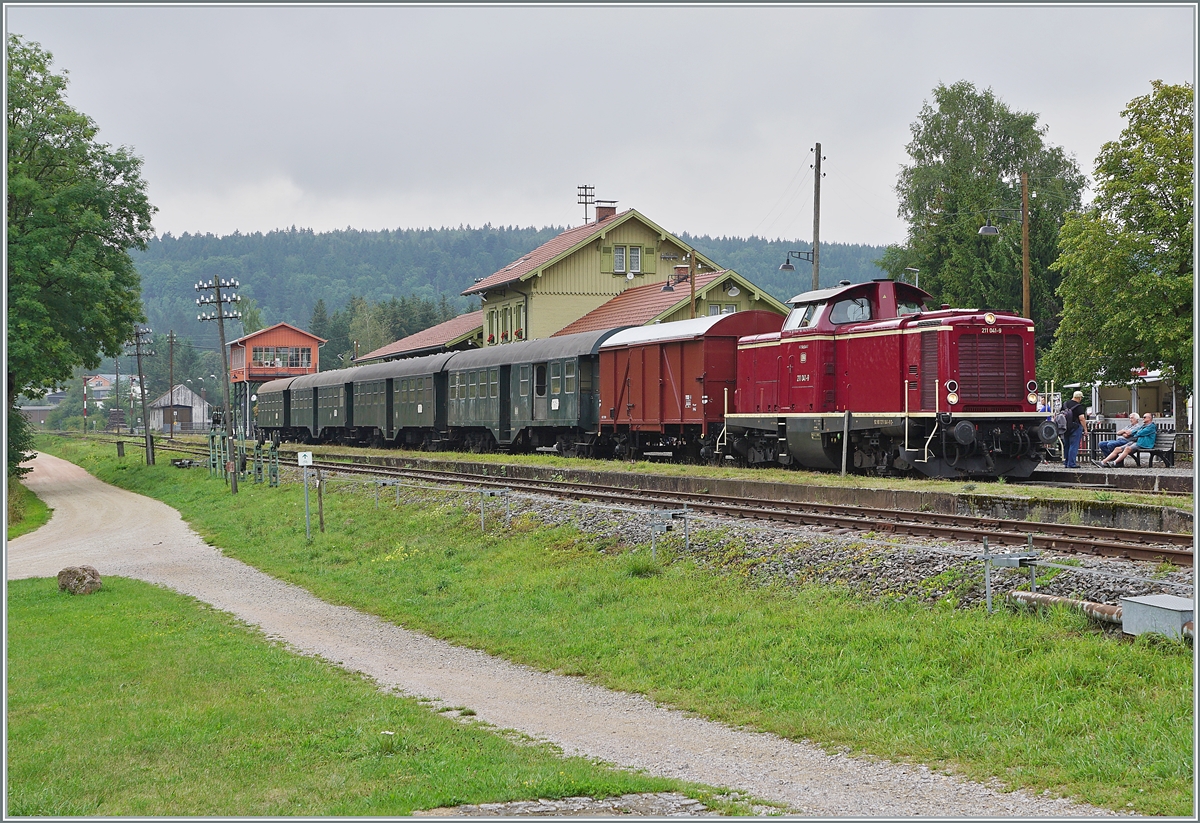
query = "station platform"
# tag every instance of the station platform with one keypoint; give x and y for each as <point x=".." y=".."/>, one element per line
<point x="1130" y="478"/>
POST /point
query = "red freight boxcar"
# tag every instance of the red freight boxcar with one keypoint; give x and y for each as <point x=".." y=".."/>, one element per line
<point x="867" y="376"/>
<point x="667" y="387"/>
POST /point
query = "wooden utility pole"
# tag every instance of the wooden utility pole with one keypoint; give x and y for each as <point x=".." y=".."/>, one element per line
<point x="816" y="249"/>
<point x="215" y="285"/>
<point x="1025" y="308"/>
<point x="171" y="372"/>
<point x="139" y="333"/>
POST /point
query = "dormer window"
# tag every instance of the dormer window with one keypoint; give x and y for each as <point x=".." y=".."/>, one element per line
<point x="619" y="259"/>
<point x="635" y="259"/>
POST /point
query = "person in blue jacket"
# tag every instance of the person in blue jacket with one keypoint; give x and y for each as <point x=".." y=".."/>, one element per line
<point x="1146" y="436"/>
<point x="1076" y="428"/>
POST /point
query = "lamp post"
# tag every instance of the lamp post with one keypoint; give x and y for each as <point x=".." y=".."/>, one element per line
<point x="916" y="275"/>
<point x="810" y="256"/>
<point x="988" y="230"/>
<point x="220" y="314"/>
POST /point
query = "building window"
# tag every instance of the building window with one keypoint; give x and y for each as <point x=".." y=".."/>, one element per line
<point x="714" y="309"/>
<point x="730" y="308"/>
<point x="619" y="259"/>
<point x="635" y="259"/>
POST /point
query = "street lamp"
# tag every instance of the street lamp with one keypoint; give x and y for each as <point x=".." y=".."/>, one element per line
<point x="810" y="256"/>
<point x="916" y="275"/>
<point x="988" y="230"/>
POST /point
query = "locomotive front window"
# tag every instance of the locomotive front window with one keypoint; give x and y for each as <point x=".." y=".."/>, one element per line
<point x="854" y="310"/>
<point x="539" y="380"/>
<point x="801" y="317"/>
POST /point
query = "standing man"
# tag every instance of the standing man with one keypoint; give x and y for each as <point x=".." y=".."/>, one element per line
<point x="1076" y="427"/>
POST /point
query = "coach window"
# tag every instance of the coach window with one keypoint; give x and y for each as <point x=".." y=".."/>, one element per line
<point x="539" y="380"/>
<point x="569" y="377"/>
<point x="471" y="386"/>
<point x="524" y="381"/>
<point x="556" y="378"/>
<point x="494" y="379"/>
<point x="854" y="310"/>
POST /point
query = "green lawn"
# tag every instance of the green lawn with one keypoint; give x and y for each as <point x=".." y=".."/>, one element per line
<point x="25" y="512"/>
<point x="1037" y="701"/>
<point x="136" y="701"/>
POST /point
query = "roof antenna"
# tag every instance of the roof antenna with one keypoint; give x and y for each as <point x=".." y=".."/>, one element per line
<point x="587" y="196"/>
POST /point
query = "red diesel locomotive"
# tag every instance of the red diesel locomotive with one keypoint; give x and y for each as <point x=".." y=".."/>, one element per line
<point x="866" y="376"/>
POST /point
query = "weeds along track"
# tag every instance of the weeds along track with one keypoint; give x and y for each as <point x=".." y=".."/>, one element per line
<point x="1076" y="539"/>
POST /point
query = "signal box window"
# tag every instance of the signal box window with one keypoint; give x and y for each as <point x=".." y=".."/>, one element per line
<point x="854" y="310"/>
<point x="539" y="380"/>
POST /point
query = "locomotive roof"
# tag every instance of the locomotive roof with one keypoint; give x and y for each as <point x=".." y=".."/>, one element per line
<point x="549" y="348"/>
<point x="821" y="295"/>
<point x="692" y="328"/>
<point x="429" y="364"/>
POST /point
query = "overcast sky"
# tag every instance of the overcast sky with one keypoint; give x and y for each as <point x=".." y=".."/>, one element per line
<point x="701" y="117"/>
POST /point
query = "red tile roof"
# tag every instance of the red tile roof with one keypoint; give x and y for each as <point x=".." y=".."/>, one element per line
<point x="277" y="325"/>
<point x="639" y="305"/>
<point x="434" y="337"/>
<point x="543" y="254"/>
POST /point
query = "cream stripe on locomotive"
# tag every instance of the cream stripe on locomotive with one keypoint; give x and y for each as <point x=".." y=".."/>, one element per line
<point x="882" y="333"/>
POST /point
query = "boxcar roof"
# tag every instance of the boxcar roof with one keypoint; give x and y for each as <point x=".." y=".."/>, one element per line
<point x="737" y="324"/>
<point x="531" y="351"/>
<point x="430" y="364"/>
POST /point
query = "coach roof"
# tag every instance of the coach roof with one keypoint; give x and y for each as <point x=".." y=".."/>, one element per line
<point x="550" y="348"/>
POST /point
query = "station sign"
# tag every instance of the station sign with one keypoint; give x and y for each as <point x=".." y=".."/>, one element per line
<point x="304" y="458"/>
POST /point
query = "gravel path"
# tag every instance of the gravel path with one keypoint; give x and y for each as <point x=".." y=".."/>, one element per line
<point x="124" y="534"/>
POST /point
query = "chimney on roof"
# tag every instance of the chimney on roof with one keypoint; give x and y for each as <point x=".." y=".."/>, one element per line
<point x="605" y="209"/>
<point x="681" y="273"/>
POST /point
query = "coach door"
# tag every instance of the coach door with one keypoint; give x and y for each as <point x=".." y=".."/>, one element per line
<point x="505" y="422"/>
<point x="539" y="391"/>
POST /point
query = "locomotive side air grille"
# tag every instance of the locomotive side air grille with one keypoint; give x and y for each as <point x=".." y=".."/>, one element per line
<point x="990" y="367"/>
<point x="928" y="371"/>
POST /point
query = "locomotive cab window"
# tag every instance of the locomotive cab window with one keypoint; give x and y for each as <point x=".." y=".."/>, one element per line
<point x="539" y="380"/>
<point x="854" y="310"/>
<point x="905" y="307"/>
<point x="802" y="317"/>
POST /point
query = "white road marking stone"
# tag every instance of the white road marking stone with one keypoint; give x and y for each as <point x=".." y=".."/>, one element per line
<point x="124" y="534"/>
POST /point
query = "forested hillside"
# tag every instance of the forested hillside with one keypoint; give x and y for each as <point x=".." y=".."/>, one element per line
<point x="286" y="272"/>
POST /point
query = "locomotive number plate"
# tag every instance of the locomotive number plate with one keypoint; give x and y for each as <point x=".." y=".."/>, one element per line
<point x="991" y="330"/>
<point x="885" y="421"/>
<point x="803" y="378"/>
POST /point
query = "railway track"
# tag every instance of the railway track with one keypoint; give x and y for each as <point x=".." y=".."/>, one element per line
<point x="1082" y="539"/>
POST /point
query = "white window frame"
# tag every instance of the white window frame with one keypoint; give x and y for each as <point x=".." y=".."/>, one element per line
<point x="714" y="309"/>
<point x="729" y="308"/>
<point x="635" y="259"/>
<point x="619" y="259"/>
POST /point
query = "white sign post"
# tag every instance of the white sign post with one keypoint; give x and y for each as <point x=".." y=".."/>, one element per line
<point x="305" y="460"/>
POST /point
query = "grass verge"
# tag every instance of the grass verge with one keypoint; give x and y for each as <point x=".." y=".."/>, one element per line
<point x="25" y="510"/>
<point x="1038" y="701"/>
<point x="136" y="701"/>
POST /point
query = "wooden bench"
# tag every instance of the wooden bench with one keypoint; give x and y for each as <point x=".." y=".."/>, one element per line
<point x="1164" y="448"/>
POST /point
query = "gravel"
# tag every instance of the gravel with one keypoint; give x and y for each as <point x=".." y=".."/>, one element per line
<point x="144" y="539"/>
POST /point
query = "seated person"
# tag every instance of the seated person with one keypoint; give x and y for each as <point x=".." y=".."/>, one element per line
<point x="1146" y="436"/>
<point x="1124" y="436"/>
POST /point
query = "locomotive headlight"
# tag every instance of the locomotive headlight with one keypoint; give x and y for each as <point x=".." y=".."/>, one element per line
<point x="989" y="318"/>
<point x="1031" y="386"/>
<point x="952" y="398"/>
<point x="1032" y="398"/>
<point x="952" y="385"/>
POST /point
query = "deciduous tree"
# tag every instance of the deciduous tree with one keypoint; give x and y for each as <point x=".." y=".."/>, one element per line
<point x="75" y="208"/>
<point x="1127" y="260"/>
<point x="969" y="150"/>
